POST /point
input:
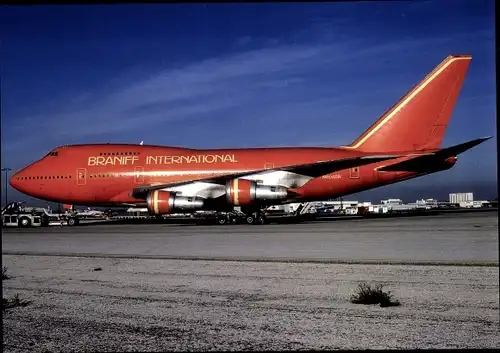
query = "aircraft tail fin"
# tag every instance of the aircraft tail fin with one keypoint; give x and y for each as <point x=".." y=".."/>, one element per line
<point x="418" y="120"/>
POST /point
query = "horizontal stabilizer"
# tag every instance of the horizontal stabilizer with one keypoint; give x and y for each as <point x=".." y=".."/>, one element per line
<point x="430" y="161"/>
<point x="461" y="148"/>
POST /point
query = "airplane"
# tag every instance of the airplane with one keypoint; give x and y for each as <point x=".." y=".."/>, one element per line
<point x="404" y="143"/>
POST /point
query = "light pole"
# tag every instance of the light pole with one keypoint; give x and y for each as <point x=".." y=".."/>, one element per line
<point x="6" y="170"/>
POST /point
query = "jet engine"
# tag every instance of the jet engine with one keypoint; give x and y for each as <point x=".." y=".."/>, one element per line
<point x="242" y="192"/>
<point x="164" y="202"/>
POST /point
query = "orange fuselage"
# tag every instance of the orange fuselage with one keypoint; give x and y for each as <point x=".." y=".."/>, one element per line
<point x="105" y="174"/>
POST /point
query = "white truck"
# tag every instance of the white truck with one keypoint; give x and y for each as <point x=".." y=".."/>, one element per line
<point x="17" y="215"/>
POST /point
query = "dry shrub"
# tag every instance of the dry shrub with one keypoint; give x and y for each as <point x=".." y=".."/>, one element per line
<point x="368" y="296"/>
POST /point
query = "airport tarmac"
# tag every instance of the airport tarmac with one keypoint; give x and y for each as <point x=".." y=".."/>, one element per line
<point x="107" y="303"/>
<point x="470" y="238"/>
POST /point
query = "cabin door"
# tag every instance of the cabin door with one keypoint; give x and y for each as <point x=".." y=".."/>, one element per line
<point x="139" y="175"/>
<point x="81" y="176"/>
<point x="354" y="173"/>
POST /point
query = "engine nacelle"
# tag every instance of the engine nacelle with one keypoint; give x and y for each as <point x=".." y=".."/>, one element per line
<point x="242" y="192"/>
<point x="164" y="202"/>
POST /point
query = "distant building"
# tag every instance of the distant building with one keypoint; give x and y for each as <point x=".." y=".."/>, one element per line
<point x="428" y="203"/>
<point x="338" y="204"/>
<point x="392" y="202"/>
<point x="474" y="204"/>
<point x="461" y="197"/>
<point x="378" y="209"/>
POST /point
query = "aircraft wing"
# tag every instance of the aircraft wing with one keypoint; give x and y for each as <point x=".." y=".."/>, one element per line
<point x="318" y="169"/>
<point x="311" y="170"/>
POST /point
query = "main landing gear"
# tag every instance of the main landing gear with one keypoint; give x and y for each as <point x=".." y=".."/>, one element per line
<point x="256" y="217"/>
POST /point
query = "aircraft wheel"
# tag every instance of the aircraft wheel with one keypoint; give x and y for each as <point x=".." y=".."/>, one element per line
<point x="250" y="219"/>
<point x="24" y="222"/>
<point x="221" y="220"/>
<point x="261" y="219"/>
<point x="71" y="221"/>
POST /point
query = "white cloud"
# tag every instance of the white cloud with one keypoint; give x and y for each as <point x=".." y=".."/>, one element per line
<point x="284" y="86"/>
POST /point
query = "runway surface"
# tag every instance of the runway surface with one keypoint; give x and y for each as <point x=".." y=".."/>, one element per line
<point x="470" y="238"/>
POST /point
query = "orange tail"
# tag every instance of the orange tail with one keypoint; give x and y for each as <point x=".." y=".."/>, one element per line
<point x="419" y="120"/>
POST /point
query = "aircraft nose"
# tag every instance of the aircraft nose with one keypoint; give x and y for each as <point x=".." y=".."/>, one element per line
<point x="21" y="182"/>
<point x="15" y="181"/>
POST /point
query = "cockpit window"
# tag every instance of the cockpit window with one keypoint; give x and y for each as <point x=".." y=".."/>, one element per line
<point x="52" y="154"/>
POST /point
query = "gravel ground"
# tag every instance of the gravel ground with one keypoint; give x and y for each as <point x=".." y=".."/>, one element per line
<point x="158" y="305"/>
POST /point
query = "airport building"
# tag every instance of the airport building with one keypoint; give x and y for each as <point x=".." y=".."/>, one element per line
<point x="474" y="204"/>
<point x="390" y="202"/>
<point x="397" y="205"/>
<point x="427" y="203"/>
<point x="466" y="200"/>
<point x="461" y="197"/>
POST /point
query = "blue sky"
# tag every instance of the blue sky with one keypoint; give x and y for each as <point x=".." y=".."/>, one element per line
<point x="278" y="74"/>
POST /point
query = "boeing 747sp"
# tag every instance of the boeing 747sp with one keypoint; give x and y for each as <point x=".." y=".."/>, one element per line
<point x="404" y="143"/>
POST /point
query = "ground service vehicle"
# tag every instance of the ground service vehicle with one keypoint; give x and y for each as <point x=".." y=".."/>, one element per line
<point x="17" y="215"/>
